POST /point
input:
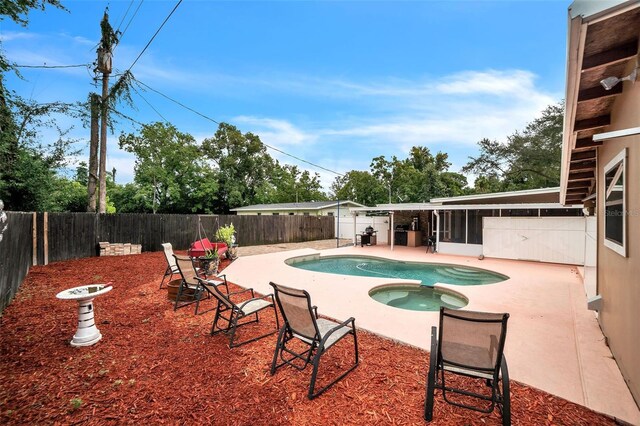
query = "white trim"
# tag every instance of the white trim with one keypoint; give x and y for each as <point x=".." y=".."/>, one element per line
<point x="620" y="161"/>
<point x="616" y="134"/>
<point x="497" y="195"/>
<point x="409" y="207"/>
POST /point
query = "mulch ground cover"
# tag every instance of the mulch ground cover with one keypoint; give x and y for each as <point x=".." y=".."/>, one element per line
<point x="158" y="366"/>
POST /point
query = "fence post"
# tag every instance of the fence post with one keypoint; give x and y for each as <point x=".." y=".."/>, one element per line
<point x="34" y="260"/>
<point x="45" y="237"/>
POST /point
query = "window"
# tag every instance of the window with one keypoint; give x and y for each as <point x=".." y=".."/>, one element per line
<point x="330" y="214"/>
<point x="305" y="214"/>
<point x="453" y="226"/>
<point x="259" y="214"/>
<point x="291" y="214"/>
<point x="474" y="235"/>
<point x="275" y="214"/>
<point x="615" y="215"/>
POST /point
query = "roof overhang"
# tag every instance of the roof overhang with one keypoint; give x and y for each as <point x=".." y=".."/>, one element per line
<point x="602" y="41"/>
<point x="439" y="207"/>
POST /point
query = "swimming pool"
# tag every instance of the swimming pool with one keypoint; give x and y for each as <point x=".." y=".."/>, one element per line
<point x="417" y="297"/>
<point x="427" y="273"/>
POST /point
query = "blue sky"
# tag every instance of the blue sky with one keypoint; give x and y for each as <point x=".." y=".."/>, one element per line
<point x="335" y="83"/>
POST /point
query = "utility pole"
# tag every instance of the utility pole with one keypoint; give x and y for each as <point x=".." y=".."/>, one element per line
<point x="108" y="40"/>
<point x="92" y="183"/>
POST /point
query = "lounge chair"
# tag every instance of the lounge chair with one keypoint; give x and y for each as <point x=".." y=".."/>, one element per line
<point x="235" y="312"/>
<point x="301" y="322"/>
<point x="470" y="344"/>
<point x="172" y="268"/>
<point x="190" y="287"/>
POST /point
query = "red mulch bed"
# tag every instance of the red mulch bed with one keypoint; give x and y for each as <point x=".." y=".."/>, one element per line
<point x="158" y="366"/>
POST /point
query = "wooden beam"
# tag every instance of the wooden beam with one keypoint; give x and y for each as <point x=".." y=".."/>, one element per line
<point x="582" y="156"/>
<point x="574" y="177"/>
<point x="587" y="143"/>
<point x="579" y="184"/>
<point x="611" y="56"/>
<point x="576" y="190"/>
<point x="598" y="92"/>
<point x="582" y="166"/>
<point x="592" y="123"/>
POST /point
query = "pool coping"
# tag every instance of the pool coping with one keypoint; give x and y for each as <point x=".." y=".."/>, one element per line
<point x="554" y="343"/>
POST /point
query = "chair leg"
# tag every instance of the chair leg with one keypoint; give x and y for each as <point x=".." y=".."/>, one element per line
<point x="431" y="376"/>
<point x="167" y="273"/>
<point x="316" y="364"/>
<point x="506" y="395"/>
<point x="278" y="350"/>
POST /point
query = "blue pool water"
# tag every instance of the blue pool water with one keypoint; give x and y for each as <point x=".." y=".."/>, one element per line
<point x="417" y="297"/>
<point x="427" y="273"/>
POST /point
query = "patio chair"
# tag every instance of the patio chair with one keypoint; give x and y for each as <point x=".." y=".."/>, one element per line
<point x="172" y="268"/>
<point x="470" y="344"/>
<point x="301" y="322"/>
<point x="189" y="287"/>
<point x="233" y="313"/>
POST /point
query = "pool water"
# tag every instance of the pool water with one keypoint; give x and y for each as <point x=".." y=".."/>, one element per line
<point x="427" y="273"/>
<point x="417" y="298"/>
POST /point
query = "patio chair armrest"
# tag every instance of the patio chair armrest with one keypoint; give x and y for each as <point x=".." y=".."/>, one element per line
<point x="351" y="320"/>
<point x="315" y="310"/>
<point x="267" y="296"/>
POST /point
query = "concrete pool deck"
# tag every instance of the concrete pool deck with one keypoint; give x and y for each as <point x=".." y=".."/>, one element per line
<point x="553" y="342"/>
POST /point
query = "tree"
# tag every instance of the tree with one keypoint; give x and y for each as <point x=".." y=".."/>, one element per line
<point x="359" y="186"/>
<point x="18" y="11"/>
<point x="243" y="167"/>
<point x="28" y="163"/>
<point x="529" y="159"/>
<point x="170" y="170"/>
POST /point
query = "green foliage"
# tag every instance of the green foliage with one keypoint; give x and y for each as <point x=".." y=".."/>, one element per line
<point x="225" y="234"/>
<point x="418" y="178"/>
<point x="529" y="159"/>
<point x="170" y="172"/>
<point x="75" y="403"/>
<point x="18" y="11"/>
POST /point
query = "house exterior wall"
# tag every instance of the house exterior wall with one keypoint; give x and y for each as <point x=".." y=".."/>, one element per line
<point x="617" y="276"/>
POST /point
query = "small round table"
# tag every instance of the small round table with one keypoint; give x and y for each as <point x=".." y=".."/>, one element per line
<point x="87" y="333"/>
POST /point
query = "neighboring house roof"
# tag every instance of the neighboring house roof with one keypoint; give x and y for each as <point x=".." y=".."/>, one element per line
<point x="310" y="205"/>
<point x="602" y="42"/>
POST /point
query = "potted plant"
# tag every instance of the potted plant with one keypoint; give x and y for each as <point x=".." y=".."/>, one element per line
<point x="210" y="261"/>
<point x="226" y="234"/>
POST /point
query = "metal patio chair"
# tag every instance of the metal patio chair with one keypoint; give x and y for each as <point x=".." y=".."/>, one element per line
<point x="190" y="287"/>
<point x="172" y="268"/>
<point x="233" y="313"/>
<point x="301" y="322"/>
<point x="470" y="344"/>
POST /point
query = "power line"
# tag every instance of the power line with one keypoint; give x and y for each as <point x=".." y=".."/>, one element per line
<point x="152" y="107"/>
<point x="214" y="121"/>
<point x="130" y="20"/>
<point x="125" y="15"/>
<point x="53" y="66"/>
<point x="156" y="33"/>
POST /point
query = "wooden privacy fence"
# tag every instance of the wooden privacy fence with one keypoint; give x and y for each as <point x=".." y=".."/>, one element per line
<point x="16" y="250"/>
<point x="40" y="238"/>
<point x="62" y="236"/>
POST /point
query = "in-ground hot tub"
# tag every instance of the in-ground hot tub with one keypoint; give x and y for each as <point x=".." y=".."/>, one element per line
<point x="415" y="297"/>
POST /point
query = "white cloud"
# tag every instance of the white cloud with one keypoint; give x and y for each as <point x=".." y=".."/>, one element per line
<point x="274" y="131"/>
<point x="15" y="35"/>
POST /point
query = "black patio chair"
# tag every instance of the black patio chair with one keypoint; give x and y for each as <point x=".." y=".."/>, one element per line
<point x="190" y="290"/>
<point x="235" y="312"/>
<point x="172" y="268"/>
<point x="301" y="322"/>
<point x="470" y="344"/>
